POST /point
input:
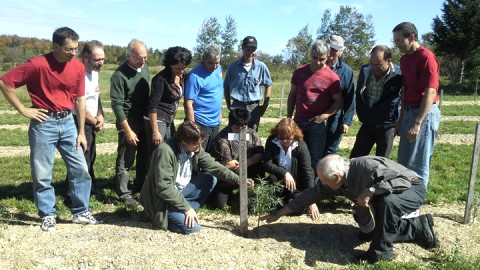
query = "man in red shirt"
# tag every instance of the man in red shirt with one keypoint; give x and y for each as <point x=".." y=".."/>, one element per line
<point x="420" y="116"/>
<point x="54" y="82"/>
<point x="315" y="95"/>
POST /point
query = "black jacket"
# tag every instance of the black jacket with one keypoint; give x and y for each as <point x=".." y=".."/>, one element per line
<point x="386" y="111"/>
<point x="302" y="170"/>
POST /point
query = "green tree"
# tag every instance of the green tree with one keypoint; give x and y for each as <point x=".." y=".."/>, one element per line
<point x="229" y="41"/>
<point x="457" y="33"/>
<point x="355" y="28"/>
<point x="298" y="48"/>
<point x="209" y="32"/>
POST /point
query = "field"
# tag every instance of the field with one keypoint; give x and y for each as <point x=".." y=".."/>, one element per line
<point x="123" y="241"/>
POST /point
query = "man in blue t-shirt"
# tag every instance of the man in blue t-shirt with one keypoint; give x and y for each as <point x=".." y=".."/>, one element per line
<point x="204" y="93"/>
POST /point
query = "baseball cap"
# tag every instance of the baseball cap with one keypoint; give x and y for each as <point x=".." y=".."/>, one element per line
<point x="336" y="42"/>
<point x="249" y="41"/>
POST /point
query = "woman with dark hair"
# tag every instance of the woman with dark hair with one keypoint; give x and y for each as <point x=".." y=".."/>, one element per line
<point x="166" y="91"/>
<point x="287" y="159"/>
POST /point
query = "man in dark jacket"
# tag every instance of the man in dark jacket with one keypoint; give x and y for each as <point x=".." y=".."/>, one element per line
<point x="383" y="190"/>
<point x="377" y="99"/>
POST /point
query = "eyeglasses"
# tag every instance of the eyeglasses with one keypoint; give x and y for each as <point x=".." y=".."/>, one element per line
<point x="70" y="50"/>
<point x="379" y="65"/>
<point x="285" y="138"/>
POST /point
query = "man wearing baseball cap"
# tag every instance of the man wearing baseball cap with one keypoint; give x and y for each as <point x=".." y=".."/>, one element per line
<point x="340" y="122"/>
<point x="244" y="80"/>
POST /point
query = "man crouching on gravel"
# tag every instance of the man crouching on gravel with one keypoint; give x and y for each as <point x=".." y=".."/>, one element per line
<point x="384" y="191"/>
<point x="181" y="176"/>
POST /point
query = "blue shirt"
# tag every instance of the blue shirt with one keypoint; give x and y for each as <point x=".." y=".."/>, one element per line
<point x="205" y="88"/>
<point x="246" y="86"/>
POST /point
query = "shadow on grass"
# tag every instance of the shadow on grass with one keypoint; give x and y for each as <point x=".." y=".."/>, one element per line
<point x="333" y="243"/>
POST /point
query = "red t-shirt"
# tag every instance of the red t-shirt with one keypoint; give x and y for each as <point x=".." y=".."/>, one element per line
<point x="314" y="91"/>
<point x="51" y="85"/>
<point x="420" y="70"/>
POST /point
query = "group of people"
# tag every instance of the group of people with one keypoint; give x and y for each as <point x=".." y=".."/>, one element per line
<point x="180" y="168"/>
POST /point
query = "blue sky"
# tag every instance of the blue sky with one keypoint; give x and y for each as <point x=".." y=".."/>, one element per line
<point x="162" y="24"/>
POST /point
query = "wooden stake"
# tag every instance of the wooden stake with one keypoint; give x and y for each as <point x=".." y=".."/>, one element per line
<point x="243" y="182"/>
<point x="473" y="174"/>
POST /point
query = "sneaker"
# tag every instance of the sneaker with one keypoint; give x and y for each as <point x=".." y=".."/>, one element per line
<point x="133" y="204"/>
<point x="49" y="224"/>
<point x="85" y="218"/>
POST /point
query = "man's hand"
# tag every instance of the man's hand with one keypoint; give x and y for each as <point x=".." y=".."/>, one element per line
<point x="345" y="128"/>
<point x="82" y="142"/>
<point x="272" y="217"/>
<point x="290" y="182"/>
<point x="364" y="198"/>
<point x="100" y="123"/>
<point x="413" y="132"/>
<point x="35" y="114"/>
<point x="131" y="137"/>
<point x="313" y="211"/>
<point x="321" y="118"/>
<point x="190" y="218"/>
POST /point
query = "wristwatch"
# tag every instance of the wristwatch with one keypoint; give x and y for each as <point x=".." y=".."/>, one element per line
<point x="372" y="190"/>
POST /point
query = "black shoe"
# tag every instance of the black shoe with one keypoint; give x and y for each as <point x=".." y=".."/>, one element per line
<point x="427" y="237"/>
<point x="366" y="237"/>
<point x="364" y="257"/>
<point x="133" y="204"/>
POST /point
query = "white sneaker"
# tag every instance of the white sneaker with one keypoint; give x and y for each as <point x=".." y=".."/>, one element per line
<point x="85" y="218"/>
<point x="49" y="224"/>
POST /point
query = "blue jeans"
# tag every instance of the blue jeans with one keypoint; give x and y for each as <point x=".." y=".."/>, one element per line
<point x="334" y="133"/>
<point x="43" y="138"/>
<point x="195" y="193"/>
<point x="417" y="155"/>
<point x="315" y="135"/>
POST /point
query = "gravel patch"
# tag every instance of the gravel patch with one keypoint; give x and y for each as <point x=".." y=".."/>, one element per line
<point x="294" y="242"/>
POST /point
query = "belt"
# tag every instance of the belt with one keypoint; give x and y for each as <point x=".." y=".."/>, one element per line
<point x="59" y="115"/>
<point x="413" y="107"/>
<point x="247" y="103"/>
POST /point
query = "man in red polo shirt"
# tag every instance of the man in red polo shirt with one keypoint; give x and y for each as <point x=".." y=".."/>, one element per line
<point x="420" y="116"/>
<point x="54" y="82"/>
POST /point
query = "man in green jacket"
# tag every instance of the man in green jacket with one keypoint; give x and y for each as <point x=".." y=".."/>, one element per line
<point x="181" y="175"/>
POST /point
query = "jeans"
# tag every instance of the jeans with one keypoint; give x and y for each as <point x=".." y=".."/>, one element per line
<point x="417" y="155"/>
<point x="369" y="136"/>
<point x="195" y="193"/>
<point x="43" y="138"/>
<point x="314" y="135"/>
<point x="211" y="133"/>
<point x="334" y="133"/>
<point x="126" y="155"/>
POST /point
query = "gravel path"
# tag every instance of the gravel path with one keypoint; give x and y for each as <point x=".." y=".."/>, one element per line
<point x="292" y="242"/>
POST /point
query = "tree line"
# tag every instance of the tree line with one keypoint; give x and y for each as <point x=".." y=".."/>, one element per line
<point x="455" y="39"/>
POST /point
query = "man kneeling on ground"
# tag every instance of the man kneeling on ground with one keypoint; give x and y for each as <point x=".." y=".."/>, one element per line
<point x="384" y="192"/>
<point x="181" y="176"/>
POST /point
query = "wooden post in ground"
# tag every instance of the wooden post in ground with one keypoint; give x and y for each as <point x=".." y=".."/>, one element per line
<point x="242" y="138"/>
<point x="243" y="182"/>
<point x="281" y="101"/>
<point x="473" y="174"/>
